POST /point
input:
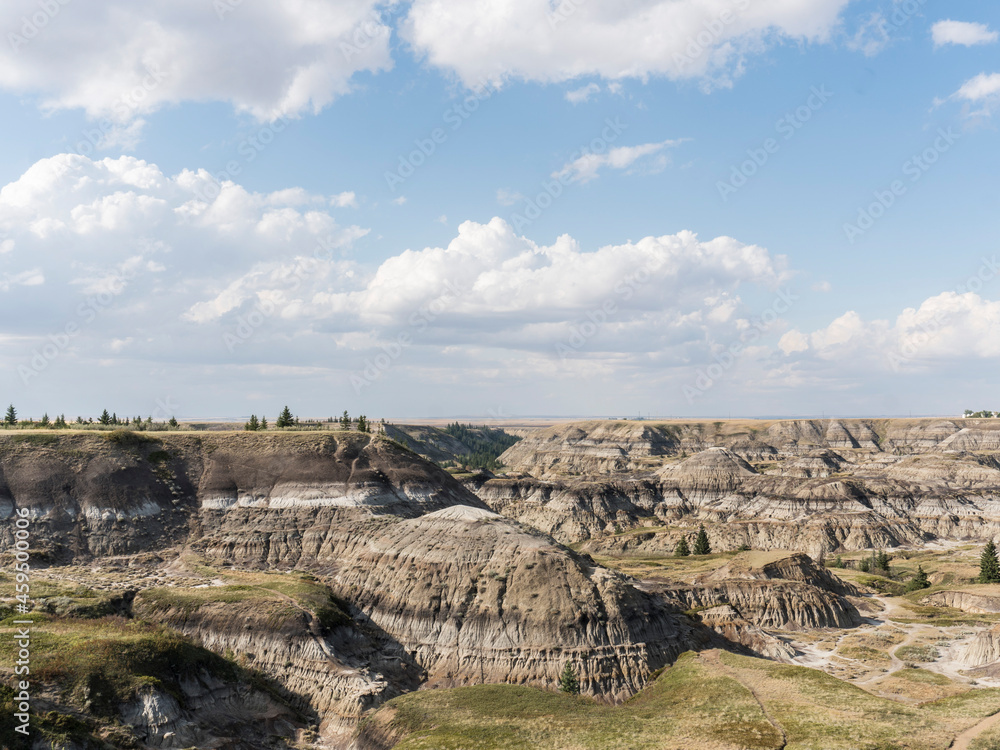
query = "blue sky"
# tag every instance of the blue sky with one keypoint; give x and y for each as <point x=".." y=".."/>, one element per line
<point x="213" y="207"/>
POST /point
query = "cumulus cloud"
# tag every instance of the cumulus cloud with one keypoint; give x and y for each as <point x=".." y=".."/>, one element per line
<point x="142" y="248"/>
<point x="122" y="60"/>
<point x="962" y="32"/>
<point x="587" y="167"/>
<point x="488" y="281"/>
<point x="492" y="40"/>
<point x="178" y="273"/>
<point x="949" y="327"/>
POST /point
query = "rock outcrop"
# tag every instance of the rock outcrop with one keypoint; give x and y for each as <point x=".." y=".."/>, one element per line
<point x="457" y="593"/>
<point x="818" y="485"/>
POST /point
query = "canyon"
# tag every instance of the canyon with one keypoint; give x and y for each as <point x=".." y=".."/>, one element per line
<point x="315" y="579"/>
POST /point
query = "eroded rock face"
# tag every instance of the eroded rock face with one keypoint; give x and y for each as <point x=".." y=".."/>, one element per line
<point x="984" y="649"/>
<point x="775" y="591"/>
<point x="975" y="603"/>
<point x="333" y="674"/>
<point x="470" y="595"/>
<point x="815" y="485"/>
<point x="463" y="593"/>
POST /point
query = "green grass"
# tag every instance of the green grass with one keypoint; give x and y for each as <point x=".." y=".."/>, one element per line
<point x="688" y="703"/>
<point x="302" y="588"/>
<point x="702" y="701"/>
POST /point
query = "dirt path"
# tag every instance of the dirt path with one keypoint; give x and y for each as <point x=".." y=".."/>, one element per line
<point x="713" y="656"/>
<point x="965" y="739"/>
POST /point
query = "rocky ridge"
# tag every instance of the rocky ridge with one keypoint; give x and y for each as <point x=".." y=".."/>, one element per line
<point x="816" y="485"/>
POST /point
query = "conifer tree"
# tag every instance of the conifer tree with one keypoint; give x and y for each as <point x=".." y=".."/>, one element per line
<point x="10" y="420"/>
<point x="345" y="421"/>
<point x="919" y="581"/>
<point x="105" y="418"/>
<point x="568" y="683"/>
<point x="362" y="423"/>
<point x="682" y="549"/>
<point x="263" y="423"/>
<point x="253" y="425"/>
<point x="989" y="565"/>
<point x="45" y="420"/>
<point x="701" y="545"/>
<point x="285" y="418"/>
<point x="173" y="422"/>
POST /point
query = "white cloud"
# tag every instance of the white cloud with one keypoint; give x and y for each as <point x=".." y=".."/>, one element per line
<point x="32" y="277"/>
<point x="582" y="95"/>
<point x="983" y="86"/>
<point x="946" y="328"/>
<point x="962" y="32"/>
<point x="586" y="167"/>
<point x="821" y="286"/>
<point x="983" y="91"/>
<point x="121" y="60"/>
<point x="400" y="200"/>
<point x="122" y="231"/>
<point x="159" y="274"/>
<point x="344" y="200"/>
<point x="492" y="40"/>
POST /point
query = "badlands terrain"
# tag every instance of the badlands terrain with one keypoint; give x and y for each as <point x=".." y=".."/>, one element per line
<point x="346" y="590"/>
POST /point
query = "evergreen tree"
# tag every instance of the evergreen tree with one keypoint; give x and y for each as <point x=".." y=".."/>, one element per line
<point x="682" y="549"/>
<point x="285" y="418"/>
<point x="105" y="418"/>
<point x="173" y="422"/>
<point x="568" y="683"/>
<point x="10" y="419"/>
<point x="882" y="561"/>
<point x="114" y="418"/>
<point x="263" y="423"/>
<point x="345" y="421"/>
<point x="989" y="565"/>
<point x="919" y="581"/>
<point x="701" y="545"/>
<point x="363" y="423"/>
<point x="864" y="565"/>
<point x="45" y="420"/>
<point x="253" y="425"/>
